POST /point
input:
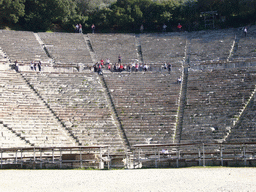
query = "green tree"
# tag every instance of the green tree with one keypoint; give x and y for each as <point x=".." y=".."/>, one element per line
<point x="87" y="7"/>
<point x="11" y="10"/>
<point x="40" y="14"/>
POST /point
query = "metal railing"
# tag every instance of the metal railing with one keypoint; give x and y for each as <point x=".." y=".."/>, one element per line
<point x="54" y="157"/>
<point x="195" y="154"/>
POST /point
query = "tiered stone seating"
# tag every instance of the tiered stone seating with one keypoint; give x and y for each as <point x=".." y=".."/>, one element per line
<point x="66" y="48"/>
<point x="78" y="99"/>
<point x="214" y="102"/>
<point x="244" y="131"/>
<point x="23" y="112"/>
<point x="160" y="48"/>
<point x="205" y="46"/>
<point x="3" y="56"/>
<point x="146" y="104"/>
<point x="22" y="46"/>
<point x="112" y="45"/>
<point x="9" y="139"/>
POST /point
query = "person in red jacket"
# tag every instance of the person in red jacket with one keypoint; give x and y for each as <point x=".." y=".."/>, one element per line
<point x="179" y="27"/>
<point x="102" y="62"/>
<point x="121" y="67"/>
<point x="109" y="67"/>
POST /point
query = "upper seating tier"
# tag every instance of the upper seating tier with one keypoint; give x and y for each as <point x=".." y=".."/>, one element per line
<point x="22" y="46"/>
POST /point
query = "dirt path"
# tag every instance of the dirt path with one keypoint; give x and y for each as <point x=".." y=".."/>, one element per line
<point x="186" y="179"/>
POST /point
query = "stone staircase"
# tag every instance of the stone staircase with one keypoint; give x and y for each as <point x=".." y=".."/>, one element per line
<point x="146" y="104"/>
<point x="139" y="49"/>
<point x="90" y="48"/>
<point x="182" y="104"/>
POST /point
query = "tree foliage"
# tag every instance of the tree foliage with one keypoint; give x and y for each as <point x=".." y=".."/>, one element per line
<point x="40" y="14"/>
<point x="11" y="10"/>
<point x="124" y="15"/>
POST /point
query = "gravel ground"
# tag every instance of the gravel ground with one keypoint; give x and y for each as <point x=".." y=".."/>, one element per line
<point x="184" y="179"/>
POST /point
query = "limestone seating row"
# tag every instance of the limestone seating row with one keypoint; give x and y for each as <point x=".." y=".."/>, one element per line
<point x="112" y="45"/>
<point x="22" y="46"/>
<point x="147" y="126"/>
<point x="86" y="114"/>
<point x="148" y="130"/>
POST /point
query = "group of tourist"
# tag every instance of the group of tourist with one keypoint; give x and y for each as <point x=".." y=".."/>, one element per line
<point x="119" y="66"/>
<point x="128" y="67"/>
<point x="179" y="27"/>
<point x="34" y="65"/>
<point x="133" y="67"/>
<point x="78" y="28"/>
<point x="168" y="66"/>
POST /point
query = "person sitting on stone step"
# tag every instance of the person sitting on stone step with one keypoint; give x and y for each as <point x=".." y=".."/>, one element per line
<point x="179" y="80"/>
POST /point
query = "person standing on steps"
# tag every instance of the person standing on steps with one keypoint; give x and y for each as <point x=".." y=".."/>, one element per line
<point x="39" y="65"/>
<point x="145" y="67"/>
<point x="80" y="28"/>
<point x="107" y="61"/>
<point x="119" y="59"/>
<point x="109" y="67"/>
<point x="245" y="31"/>
<point x="164" y="28"/>
<point x="35" y="66"/>
<point x="179" y="27"/>
<point x="179" y="80"/>
<point x="32" y="65"/>
<point x="169" y="66"/>
<point x="141" y="28"/>
<point x="16" y="66"/>
<point x="77" y="28"/>
<point x="93" y="28"/>
<point x="136" y="67"/>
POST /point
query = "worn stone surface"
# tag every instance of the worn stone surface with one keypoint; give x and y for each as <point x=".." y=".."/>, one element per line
<point x="188" y="179"/>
